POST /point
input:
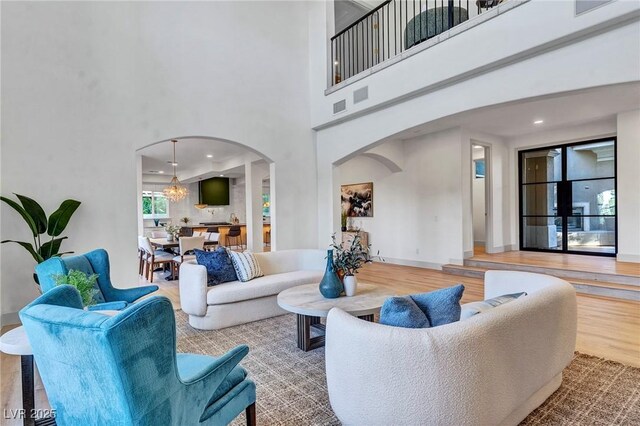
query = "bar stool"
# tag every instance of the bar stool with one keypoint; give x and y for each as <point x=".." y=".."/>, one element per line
<point x="235" y="233"/>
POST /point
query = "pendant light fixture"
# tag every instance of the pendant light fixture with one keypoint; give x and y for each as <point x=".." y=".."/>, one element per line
<point x="175" y="191"/>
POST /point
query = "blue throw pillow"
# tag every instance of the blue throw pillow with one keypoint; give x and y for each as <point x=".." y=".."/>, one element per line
<point x="403" y="312"/>
<point x="440" y="306"/>
<point x="219" y="267"/>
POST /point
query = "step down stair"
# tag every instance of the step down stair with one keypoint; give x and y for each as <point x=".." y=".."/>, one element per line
<point x="617" y="286"/>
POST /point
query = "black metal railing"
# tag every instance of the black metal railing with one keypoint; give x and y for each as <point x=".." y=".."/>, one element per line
<point x="393" y="27"/>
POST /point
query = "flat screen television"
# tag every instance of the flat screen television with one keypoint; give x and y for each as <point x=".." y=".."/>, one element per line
<point x="214" y="191"/>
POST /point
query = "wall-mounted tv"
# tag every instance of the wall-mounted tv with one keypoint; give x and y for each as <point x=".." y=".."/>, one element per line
<point x="214" y="191"/>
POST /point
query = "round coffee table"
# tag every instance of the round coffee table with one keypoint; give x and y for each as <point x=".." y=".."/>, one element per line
<point x="309" y="305"/>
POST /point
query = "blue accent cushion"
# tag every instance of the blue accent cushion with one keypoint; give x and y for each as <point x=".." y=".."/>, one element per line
<point x="440" y="306"/>
<point x="219" y="267"/>
<point x="403" y="312"/>
<point x="475" y="308"/>
<point x="423" y="310"/>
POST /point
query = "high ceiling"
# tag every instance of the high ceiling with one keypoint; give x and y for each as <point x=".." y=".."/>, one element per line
<point x="517" y="118"/>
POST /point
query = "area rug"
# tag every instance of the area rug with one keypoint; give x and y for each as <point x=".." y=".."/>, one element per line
<point x="292" y="389"/>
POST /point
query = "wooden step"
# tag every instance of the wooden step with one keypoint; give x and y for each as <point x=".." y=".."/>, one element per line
<point x="583" y="286"/>
<point x="464" y="271"/>
<point x="599" y="288"/>
<point x="632" y="280"/>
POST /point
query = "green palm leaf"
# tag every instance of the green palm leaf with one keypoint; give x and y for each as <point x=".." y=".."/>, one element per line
<point x="50" y="248"/>
<point x="35" y="211"/>
<point x="27" y="218"/>
<point x="60" y="218"/>
<point x="28" y="247"/>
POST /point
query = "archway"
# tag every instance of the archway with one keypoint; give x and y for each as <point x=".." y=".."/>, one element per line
<point x="201" y="159"/>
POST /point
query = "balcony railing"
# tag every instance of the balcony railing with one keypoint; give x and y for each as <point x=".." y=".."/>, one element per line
<point x="393" y="27"/>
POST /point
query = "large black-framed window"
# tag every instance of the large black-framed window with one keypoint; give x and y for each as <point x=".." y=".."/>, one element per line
<point x="568" y="198"/>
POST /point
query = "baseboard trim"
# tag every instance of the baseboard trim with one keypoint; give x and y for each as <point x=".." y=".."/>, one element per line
<point x="635" y="258"/>
<point x="468" y="254"/>
<point x="9" y="318"/>
<point x="416" y="263"/>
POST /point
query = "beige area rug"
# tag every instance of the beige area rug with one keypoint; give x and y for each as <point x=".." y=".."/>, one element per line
<point x="292" y="389"/>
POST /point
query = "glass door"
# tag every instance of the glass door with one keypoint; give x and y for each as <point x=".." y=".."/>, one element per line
<point x="568" y="198"/>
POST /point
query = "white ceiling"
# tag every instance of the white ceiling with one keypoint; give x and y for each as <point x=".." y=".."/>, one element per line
<point x="516" y="119"/>
<point x="191" y="154"/>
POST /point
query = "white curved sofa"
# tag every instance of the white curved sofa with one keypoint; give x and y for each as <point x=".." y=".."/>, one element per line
<point x="233" y="303"/>
<point x="491" y="369"/>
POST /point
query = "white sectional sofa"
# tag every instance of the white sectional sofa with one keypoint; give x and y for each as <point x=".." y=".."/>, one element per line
<point x="491" y="369"/>
<point x="233" y="303"/>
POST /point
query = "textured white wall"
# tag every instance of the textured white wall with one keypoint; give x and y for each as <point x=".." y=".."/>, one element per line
<point x="418" y="211"/>
<point x="86" y="84"/>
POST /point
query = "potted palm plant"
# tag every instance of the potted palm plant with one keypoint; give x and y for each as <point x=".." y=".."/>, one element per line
<point x="45" y="230"/>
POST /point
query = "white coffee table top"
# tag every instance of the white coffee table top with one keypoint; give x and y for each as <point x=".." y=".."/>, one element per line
<point x="15" y="342"/>
<point x="307" y="300"/>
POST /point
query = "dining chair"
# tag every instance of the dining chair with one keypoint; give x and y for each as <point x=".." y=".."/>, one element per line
<point x="125" y="370"/>
<point x="187" y="245"/>
<point x="235" y="233"/>
<point x="153" y="258"/>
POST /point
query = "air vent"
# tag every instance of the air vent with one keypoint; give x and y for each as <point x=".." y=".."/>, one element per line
<point x="361" y="94"/>
<point x="339" y="106"/>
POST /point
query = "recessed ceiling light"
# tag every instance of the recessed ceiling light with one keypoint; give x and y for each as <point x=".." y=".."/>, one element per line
<point x="538" y="122"/>
<point x="172" y="163"/>
<point x="209" y="156"/>
<point x="160" y="171"/>
<point x="221" y="175"/>
<point x="477" y="147"/>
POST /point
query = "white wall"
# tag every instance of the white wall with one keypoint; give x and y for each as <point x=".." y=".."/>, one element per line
<point x="86" y="84"/>
<point x="628" y="126"/>
<point x="417" y="211"/>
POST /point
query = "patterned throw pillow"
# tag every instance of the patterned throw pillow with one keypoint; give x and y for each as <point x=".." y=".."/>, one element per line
<point x="219" y="267"/>
<point x="475" y="308"/>
<point x="246" y="265"/>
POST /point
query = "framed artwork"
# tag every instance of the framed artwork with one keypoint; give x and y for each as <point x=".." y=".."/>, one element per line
<point x="357" y="199"/>
<point x="479" y="168"/>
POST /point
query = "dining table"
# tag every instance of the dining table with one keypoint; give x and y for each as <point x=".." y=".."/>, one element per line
<point x="162" y="243"/>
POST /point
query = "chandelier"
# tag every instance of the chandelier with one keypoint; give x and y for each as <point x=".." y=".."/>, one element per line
<point x="175" y="191"/>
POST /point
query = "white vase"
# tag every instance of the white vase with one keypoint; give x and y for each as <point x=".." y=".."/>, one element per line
<point x="170" y="237"/>
<point x="350" y="285"/>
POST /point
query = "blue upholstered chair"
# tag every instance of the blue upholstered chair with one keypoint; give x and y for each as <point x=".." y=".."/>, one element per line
<point x="124" y="370"/>
<point x="94" y="262"/>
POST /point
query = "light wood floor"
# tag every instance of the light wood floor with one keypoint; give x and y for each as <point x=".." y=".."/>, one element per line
<point x="608" y="328"/>
<point x="574" y="262"/>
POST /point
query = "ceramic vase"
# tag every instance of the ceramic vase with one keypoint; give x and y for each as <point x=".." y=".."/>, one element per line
<point x="330" y="286"/>
<point x="170" y="237"/>
<point x="350" y="285"/>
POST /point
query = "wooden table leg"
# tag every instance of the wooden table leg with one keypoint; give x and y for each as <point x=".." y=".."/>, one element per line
<point x="367" y="317"/>
<point x="305" y="341"/>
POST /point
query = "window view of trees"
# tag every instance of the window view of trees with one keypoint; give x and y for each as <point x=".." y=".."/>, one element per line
<point x="154" y="205"/>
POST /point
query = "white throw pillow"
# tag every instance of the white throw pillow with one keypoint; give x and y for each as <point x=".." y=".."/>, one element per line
<point x="246" y="265"/>
<point x="475" y="308"/>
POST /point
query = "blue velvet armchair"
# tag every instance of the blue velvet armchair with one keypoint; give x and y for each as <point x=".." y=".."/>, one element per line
<point x="94" y="262"/>
<point x="124" y="370"/>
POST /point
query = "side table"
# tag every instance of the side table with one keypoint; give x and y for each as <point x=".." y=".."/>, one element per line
<point x="16" y="342"/>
